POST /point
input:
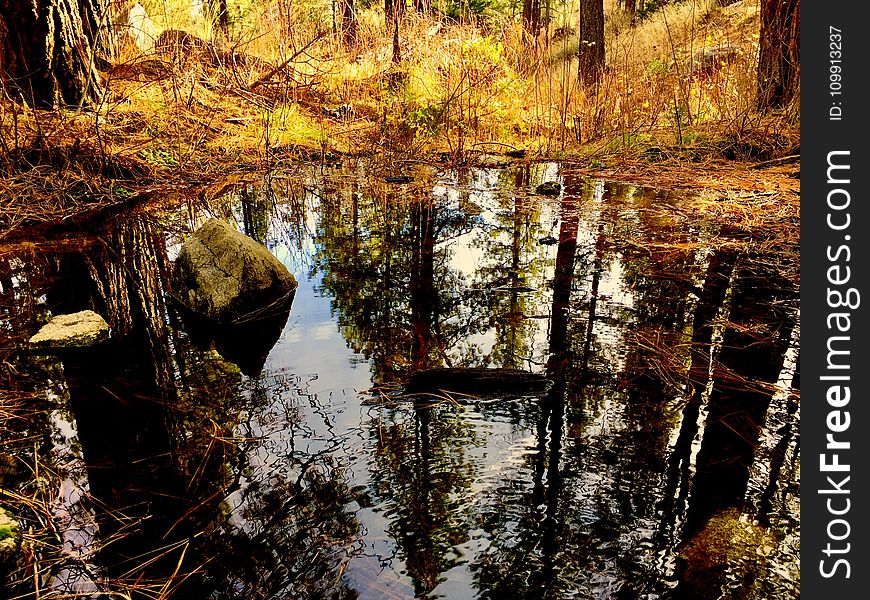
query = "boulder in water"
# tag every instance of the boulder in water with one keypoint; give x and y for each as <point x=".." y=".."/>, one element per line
<point x="549" y="188"/>
<point x="224" y="276"/>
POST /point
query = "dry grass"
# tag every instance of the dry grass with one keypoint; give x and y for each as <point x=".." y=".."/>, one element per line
<point x="281" y="87"/>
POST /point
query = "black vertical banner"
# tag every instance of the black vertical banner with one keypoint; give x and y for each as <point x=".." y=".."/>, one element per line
<point x="835" y="299"/>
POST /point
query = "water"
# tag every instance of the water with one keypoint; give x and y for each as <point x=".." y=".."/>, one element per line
<point x="662" y="462"/>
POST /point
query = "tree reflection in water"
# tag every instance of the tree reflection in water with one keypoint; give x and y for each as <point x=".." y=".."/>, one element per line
<point x="672" y="411"/>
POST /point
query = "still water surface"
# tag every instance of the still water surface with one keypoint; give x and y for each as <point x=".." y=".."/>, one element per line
<point x="661" y="463"/>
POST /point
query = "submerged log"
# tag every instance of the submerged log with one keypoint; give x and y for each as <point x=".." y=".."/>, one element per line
<point x="477" y="381"/>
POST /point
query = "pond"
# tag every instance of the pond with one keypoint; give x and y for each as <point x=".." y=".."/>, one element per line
<point x="661" y="462"/>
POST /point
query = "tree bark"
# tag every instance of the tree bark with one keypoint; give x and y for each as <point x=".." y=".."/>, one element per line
<point x="349" y="23"/>
<point x="397" y="47"/>
<point x="779" y="53"/>
<point x="222" y="17"/>
<point x="532" y="17"/>
<point x="47" y="51"/>
<point x="394" y="9"/>
<point x="591" y="51"/>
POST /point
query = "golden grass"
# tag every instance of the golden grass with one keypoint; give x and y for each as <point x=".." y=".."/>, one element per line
<point x="285" y="89"/>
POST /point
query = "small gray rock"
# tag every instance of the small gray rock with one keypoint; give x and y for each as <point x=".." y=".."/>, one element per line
<point x="76" y="330"/>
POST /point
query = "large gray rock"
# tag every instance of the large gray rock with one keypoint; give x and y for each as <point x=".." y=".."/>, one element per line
<point x="225" y="276"/>
<point x="77" y="330"/>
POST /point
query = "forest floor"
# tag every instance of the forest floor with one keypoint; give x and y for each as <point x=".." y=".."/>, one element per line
<point x="198" y="115"/>
<point x="196" y="120"/>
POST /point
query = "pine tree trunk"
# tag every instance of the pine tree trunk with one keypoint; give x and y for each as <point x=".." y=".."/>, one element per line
<point x="348" y="22"/>
<point x="223" y="18"/>
<point x="47" y="53"/>
<point x="532" y="17"/>
<point x="394" y="9"/>
<point x="591" y="52"/>
<point x="779" y="53"/>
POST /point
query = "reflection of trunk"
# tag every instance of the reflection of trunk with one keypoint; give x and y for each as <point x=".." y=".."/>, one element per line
<point x="122" y="279"/>
<point x="562" y="280"/>
<point x="255" y="214"/>
<point x="121" y="398"/>
<point x="514" y="317"/>
<point x="354" y="200"/>
<point x="553" y="405"/>
<point x="774" y="467"/>
<point x="597" y="266"/>
<point x="119" y="394"/>
<point x="419" y="546"/>
<point x="129" y="278"/>
<point x="713" y="297"/>
<point x="423" y="295"/>
<point x="736" y="406"/>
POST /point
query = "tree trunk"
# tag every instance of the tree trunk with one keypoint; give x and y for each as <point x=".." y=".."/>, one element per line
<point x="394" y="9"/>
<point x="532" y="18"/>
<point x="397" y="47"/>
<point x="223" y="18"/>
<point x="348" y="22"/>
<point x="591" y="51"/>
<point x="779" y="53"/>
<point x="47" y="52"/>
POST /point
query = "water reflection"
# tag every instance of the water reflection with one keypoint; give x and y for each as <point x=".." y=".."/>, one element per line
<point x="269" y="474"/>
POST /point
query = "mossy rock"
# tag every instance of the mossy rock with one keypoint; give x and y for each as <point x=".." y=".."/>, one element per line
<point x="728" y="542"/>
<point x="226" y="277"/>
<point x="77" y="330"/>
<point x="549" y="188"/>
<point x="10" y="537"/>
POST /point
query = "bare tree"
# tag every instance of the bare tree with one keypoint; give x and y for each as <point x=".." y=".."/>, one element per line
<point x="779" y="53"/>
<point x="47" y="51"/>
<point x="591" y="33"/>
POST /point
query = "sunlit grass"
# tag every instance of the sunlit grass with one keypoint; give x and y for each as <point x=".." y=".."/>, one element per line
<point x="280" y="85"/>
